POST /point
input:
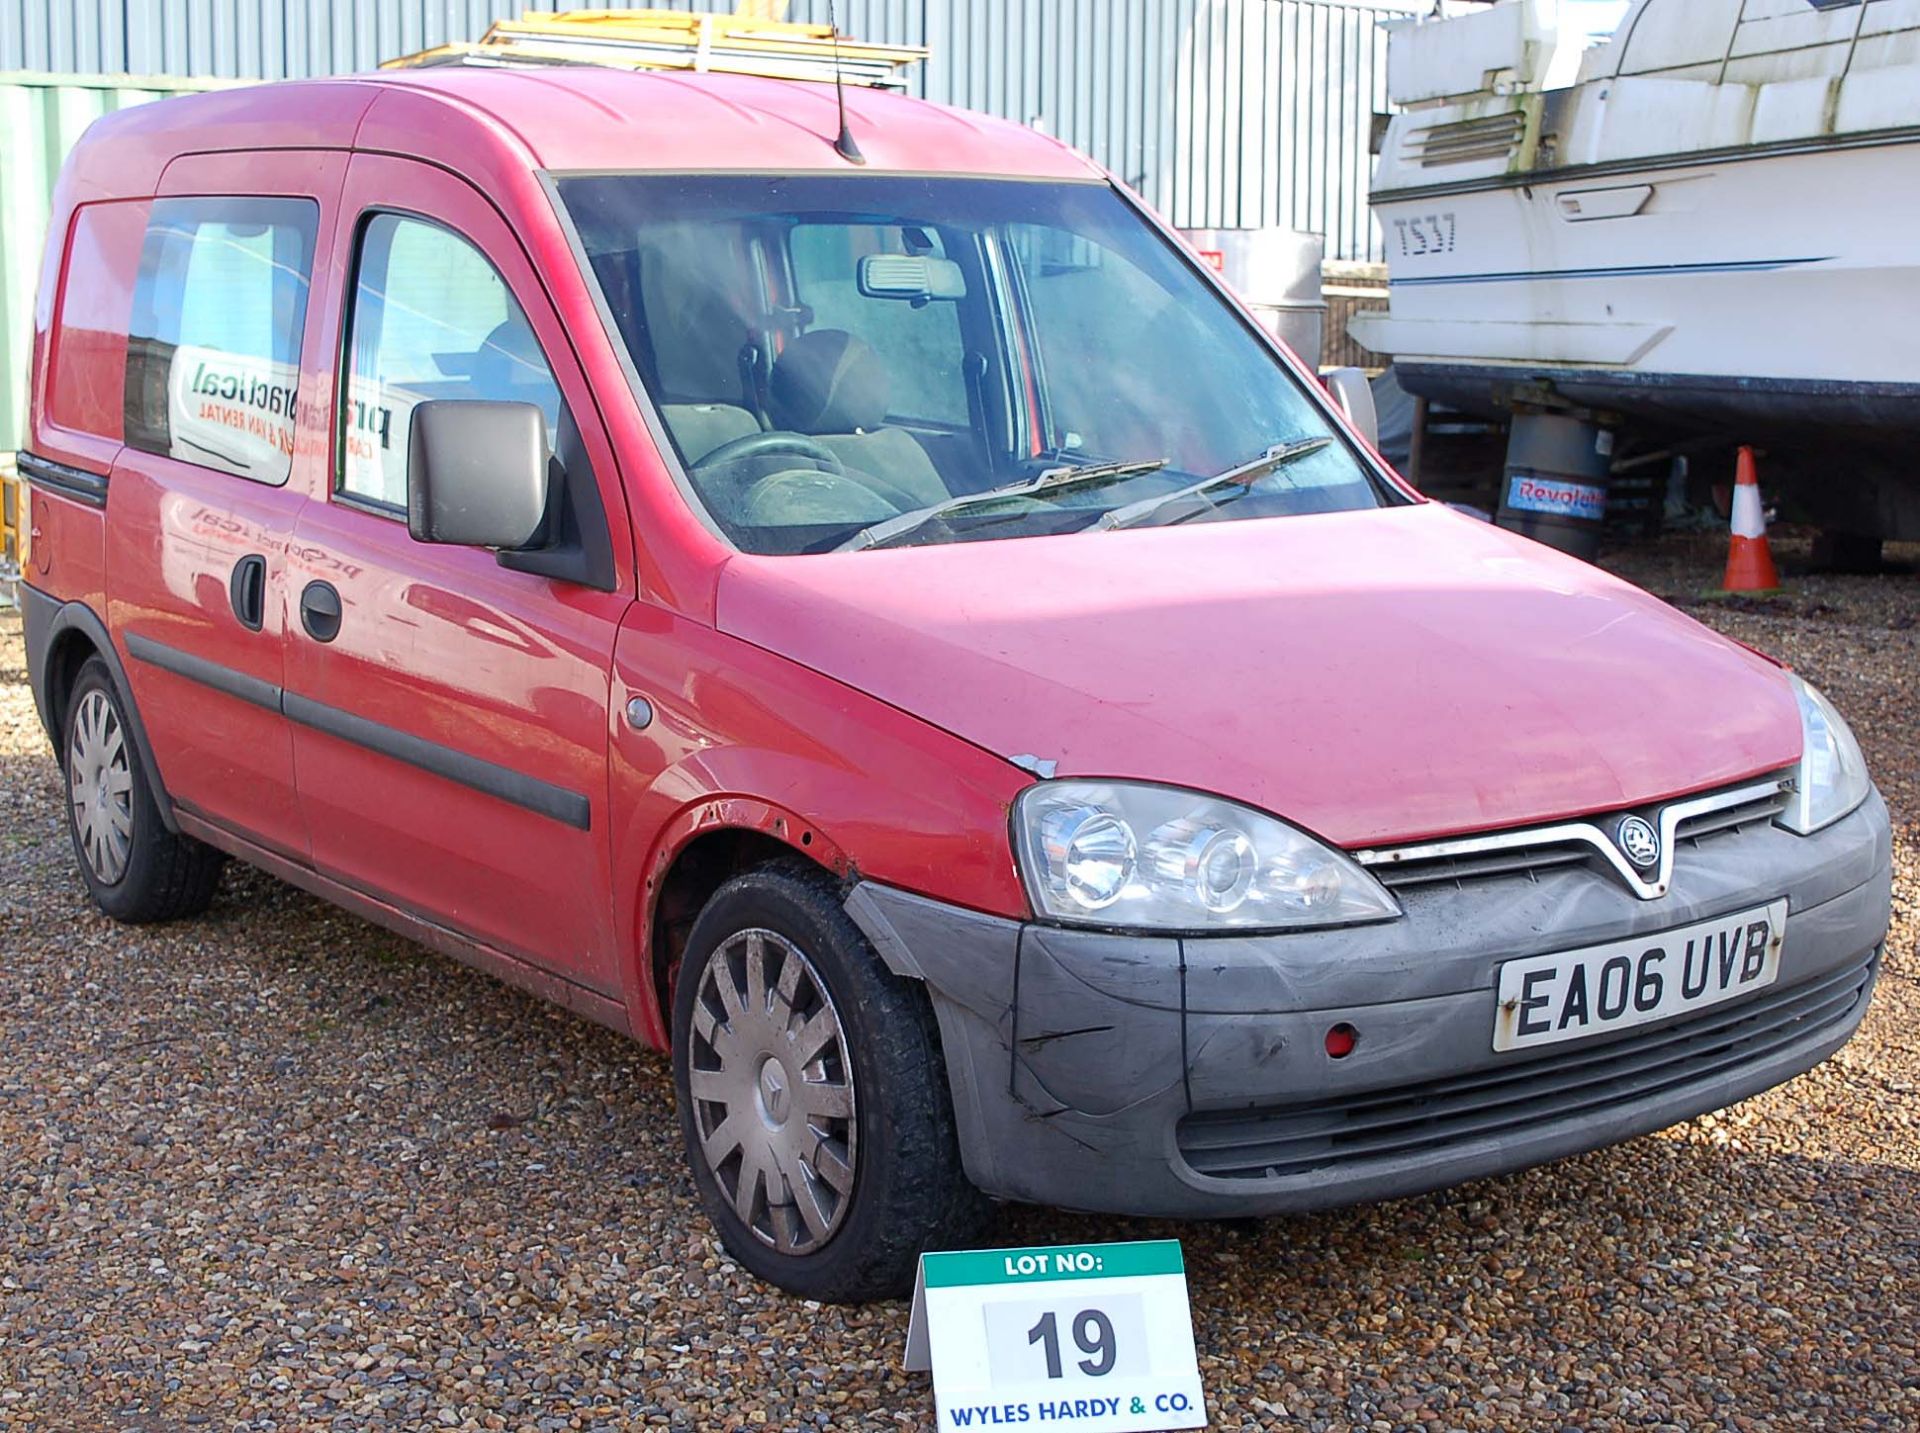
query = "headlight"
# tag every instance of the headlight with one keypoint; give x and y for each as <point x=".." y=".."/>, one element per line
<point x="1130" y="856"/>
<point x="1832" y="777"/>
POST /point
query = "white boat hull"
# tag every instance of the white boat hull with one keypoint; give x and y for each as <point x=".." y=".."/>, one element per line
<point x="1770" y="299"/>
<point x="1712" y="231"/>
<point x="1789" y="270"/>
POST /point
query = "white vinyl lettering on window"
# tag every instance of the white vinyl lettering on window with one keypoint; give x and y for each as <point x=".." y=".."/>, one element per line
<point x="213" y="353"/>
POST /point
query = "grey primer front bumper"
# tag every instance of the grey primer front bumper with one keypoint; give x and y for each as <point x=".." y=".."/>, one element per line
<point x="1170" y="1077"/>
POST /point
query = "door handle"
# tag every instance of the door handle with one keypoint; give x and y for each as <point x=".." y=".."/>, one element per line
<point x="320" y="611"/>
<point x="247" y="590"/>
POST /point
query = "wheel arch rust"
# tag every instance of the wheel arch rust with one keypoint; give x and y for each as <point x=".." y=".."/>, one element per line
<point x="704" y="844"/>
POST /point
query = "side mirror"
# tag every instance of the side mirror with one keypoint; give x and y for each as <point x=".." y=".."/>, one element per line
<point x="1354" y="396"/>
<point x="477" y="473"/>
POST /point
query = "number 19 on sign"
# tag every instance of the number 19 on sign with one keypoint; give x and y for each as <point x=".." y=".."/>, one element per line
<point x="1092" y="1330"/>
<point x="1094" y="1338"/>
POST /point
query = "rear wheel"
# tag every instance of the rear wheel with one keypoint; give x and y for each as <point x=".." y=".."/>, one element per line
<point x="813" y="1097"/>
<point x="135" y="869"/>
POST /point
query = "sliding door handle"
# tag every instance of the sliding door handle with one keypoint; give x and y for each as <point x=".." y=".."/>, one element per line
<point x="247" y="591"/>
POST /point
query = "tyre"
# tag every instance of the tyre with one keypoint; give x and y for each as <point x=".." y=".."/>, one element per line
<point x="813" y="1096"/>
<point x="135" y="869"/>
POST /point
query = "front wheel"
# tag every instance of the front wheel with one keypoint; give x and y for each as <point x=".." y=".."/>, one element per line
<point x="813" y="1098"/>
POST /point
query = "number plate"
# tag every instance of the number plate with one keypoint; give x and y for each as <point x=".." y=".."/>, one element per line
<point x="1545" y="999"/>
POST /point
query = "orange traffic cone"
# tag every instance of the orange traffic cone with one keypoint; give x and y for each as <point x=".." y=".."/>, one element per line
<point x="1750" y="566"/>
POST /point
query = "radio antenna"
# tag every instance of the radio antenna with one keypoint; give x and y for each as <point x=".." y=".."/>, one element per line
<point x="843" y="144"/>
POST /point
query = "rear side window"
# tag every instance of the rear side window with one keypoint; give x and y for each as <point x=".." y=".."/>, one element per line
<point x="213" y="351"/>
<point x="432" y="319"/>
<point x="87" y="373"/>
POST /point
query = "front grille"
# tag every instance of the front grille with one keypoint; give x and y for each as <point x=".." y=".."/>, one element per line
<point x="1572" y="1082"/>
<point x="1528" y="861"/>
<point x="1732" y="819"/>
<point x="1492" y="855"/>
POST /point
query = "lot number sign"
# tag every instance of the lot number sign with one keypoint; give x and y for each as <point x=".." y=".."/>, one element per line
<point x="1092" y="1337"/>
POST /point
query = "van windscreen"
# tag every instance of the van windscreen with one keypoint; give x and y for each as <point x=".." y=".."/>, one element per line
<point x="875" y="360"/>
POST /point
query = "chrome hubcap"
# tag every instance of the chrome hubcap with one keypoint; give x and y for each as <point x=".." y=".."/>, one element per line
<point x="772" y="1091"/>
<point x="100" y="785"/>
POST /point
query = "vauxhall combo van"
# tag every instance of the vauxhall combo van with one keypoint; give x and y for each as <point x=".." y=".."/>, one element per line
<point x="878" y="621"/>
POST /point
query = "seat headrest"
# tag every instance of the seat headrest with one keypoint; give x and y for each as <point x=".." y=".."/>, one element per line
<point x="828" y="381"/>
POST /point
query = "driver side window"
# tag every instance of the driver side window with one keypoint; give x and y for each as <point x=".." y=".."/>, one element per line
<point x="431" y="319"/>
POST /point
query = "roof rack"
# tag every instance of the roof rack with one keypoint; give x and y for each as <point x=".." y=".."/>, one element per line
<point x="676" y="40"/>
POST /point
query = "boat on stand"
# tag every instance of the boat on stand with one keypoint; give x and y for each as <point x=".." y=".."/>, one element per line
<point x="1701" y="232"/>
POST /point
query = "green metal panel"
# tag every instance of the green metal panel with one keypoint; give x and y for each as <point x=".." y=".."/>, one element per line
<point x="41" y="116"/>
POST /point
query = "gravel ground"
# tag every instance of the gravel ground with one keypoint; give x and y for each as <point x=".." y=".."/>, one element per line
<point x="278" y="1169"/>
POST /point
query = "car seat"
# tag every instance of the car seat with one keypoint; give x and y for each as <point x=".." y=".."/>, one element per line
<point x="835" y="388"/>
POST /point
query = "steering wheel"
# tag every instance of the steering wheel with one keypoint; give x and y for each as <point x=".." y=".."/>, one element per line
<point x="764" y="445"/>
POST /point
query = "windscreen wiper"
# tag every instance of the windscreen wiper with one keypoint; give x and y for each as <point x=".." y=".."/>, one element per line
<point x="1243" y="477"/>
<point x="1054" y="482"/>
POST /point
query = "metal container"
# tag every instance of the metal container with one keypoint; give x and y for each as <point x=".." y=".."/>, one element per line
<point x="1277" y="273"/>
<point x="1554" y="489"/>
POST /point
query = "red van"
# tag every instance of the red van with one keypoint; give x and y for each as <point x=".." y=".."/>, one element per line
<point x="899" y="636"/>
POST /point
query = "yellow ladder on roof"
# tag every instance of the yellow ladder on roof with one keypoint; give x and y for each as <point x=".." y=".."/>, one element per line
<point x="749" y="44"/>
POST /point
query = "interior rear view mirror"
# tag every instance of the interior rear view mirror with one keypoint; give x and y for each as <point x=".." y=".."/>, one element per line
<point x="1354" y="395"/>
<point x="911" y="276"/>
<point x="477" y="473"/>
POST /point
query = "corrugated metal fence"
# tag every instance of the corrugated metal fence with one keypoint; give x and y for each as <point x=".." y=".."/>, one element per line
<point x="1224" y="113"/>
